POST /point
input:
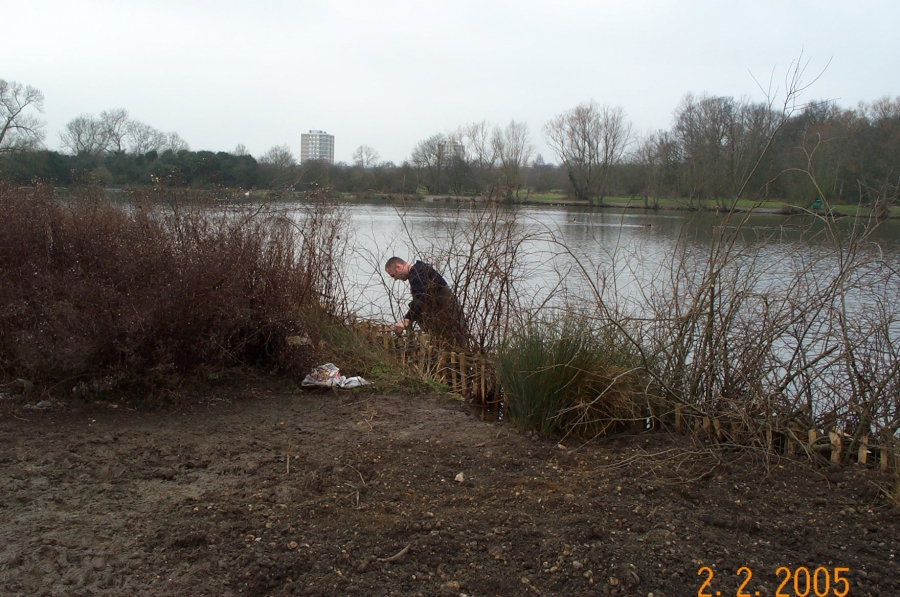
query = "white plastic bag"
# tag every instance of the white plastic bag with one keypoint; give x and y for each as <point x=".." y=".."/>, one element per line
<point x="329" y="376"/>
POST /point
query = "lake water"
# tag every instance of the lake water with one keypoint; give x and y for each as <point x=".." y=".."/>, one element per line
<point x="632" y="251"/>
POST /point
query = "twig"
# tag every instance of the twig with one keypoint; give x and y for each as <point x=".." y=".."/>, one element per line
<point x="397" y="555"/>
<point x="358" y="473"/>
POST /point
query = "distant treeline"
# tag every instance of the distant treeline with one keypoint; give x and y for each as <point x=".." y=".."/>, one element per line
<point x="200" y="169"/>
<point x="718" y="148"/>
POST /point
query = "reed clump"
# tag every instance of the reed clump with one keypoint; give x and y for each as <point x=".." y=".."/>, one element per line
<point x="570" y="378"/>
<point x="162" y="287"/>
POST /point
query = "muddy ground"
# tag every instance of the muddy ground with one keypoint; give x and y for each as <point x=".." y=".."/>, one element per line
<point x="258" y="490"/>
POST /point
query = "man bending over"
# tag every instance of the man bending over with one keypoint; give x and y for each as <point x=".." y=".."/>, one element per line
<point x="433" y="305"/>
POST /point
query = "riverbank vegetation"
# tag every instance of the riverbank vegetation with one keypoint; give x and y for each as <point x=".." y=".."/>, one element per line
<point x="102" y="296"/>
<point x="770" y="337"/>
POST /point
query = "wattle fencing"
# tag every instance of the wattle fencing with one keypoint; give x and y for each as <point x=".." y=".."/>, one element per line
<point x="474" y="377"/>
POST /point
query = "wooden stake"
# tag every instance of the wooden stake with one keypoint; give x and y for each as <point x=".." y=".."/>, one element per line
<point x="483" y="384"/>
<point x="863" y="453"/>
<point x="718" y="427"/>
<point x="735" y="427"/>
<point x="462" y="372"/>
<point x="769" y="439"/>
<point x="678" y="417"/>
<point x="792" y="431"/>
<point x="836" y="441"/>
<point x="706" y="424"/>
<point x="884" y="458"/>
<point x="453" y="371"/>
<point x="441" y="374"/>
<point x="813" y="435"/>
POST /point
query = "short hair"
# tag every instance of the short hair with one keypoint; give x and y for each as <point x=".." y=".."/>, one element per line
<point x="393" y="261"/>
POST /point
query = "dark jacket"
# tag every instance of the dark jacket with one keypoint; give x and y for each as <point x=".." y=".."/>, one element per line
<point x="434" y="307"/>
<point x="425" y="284"/>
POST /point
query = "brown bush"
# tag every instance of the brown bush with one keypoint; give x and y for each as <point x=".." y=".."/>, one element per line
<point x="159" y="287"/>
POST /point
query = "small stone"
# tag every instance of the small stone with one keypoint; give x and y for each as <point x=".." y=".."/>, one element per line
<point x="460" y="478"/>
<point x="42" y="405"/>
<point x="577" y="565"/>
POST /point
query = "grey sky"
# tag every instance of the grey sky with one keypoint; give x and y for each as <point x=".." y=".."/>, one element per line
<point x="388" y="74"/>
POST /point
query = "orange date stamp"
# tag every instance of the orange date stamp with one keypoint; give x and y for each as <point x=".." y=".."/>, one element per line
<point x="799" y="582"/>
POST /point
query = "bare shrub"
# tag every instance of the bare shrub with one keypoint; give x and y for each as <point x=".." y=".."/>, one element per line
<point x="167" y="284"/>
<point x="775" y="336"/>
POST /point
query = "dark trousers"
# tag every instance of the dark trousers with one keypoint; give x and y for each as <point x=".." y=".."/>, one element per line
<point x="443" y="318"/>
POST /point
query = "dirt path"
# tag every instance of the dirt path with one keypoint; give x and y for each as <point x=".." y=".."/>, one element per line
<point x="264" y="492"/>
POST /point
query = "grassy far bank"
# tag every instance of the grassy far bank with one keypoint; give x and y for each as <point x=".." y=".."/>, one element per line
<point x="683" y="203"/>
<point x="773" y="206"/>
<point x="557" y="198"/>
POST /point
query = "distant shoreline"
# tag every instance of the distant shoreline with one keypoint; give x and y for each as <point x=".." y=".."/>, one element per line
<point x="770" y="207"/>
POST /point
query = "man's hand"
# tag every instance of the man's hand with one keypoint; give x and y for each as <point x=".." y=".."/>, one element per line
<point x="401" y="325"/>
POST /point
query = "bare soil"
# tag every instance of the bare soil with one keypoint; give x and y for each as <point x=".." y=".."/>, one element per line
<point x="259" y="490"/>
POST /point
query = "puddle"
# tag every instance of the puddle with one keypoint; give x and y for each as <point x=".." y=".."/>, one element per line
<point x="490" y="412"/>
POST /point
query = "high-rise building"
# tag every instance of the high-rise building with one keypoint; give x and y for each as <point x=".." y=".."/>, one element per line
<point x="318" y="146"/>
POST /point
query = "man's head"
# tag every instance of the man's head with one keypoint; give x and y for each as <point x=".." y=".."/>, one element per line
<point x="397" y="268"/>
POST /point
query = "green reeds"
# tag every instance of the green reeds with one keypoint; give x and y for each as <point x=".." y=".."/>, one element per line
<point x="570" y="377"/>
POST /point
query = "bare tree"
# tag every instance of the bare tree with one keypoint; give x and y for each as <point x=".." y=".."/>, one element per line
<point x="480" y="155"/>
<point x="476" y="138"/>
<point x="279" y="156"/>
<point x="18" y="128"/>
<point x="175" y="143"/>
<point x="514" y="150"/>
<point x="722" y="140"/>
<point x="143" y="138"/>
<point x="659" y="157"/>
<point x="280" y="163"/>
<point x="430" y="157"/>
<point x="240" y="149"/>
<point x="113" y="131"/>
<point x="115" y="124"/>
<point x="589" y="140"/>
<point x="84" y="135"/>
<point x="365" y="156"/>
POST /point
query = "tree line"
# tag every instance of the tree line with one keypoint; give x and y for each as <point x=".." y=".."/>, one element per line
<point x="718" y="148"/>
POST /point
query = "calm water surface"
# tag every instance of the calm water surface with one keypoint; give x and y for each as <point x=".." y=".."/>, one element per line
<point x="636" y="245"/>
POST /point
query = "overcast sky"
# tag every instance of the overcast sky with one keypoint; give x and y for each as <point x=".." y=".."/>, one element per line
<point x="391" y="73"/>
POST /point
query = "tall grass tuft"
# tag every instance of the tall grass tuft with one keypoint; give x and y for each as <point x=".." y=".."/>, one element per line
<point x="571" y="378"/>
<point x="147" y="292"/>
